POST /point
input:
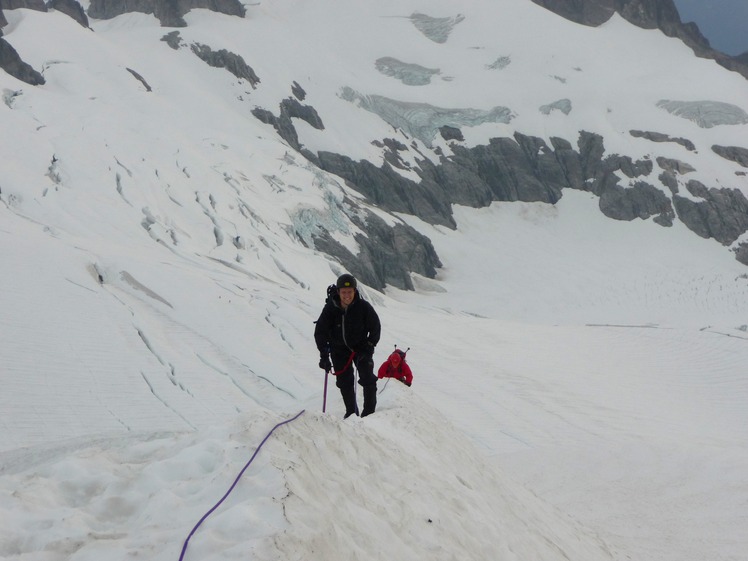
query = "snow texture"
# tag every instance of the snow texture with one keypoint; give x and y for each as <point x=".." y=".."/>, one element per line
<point x="579" y="388"/>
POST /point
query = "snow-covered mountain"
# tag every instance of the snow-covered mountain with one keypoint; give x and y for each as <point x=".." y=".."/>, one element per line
<point x="547" y="213"/>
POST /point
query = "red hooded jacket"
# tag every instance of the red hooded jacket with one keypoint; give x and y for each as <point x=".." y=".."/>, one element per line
<point x="396" y="367"/>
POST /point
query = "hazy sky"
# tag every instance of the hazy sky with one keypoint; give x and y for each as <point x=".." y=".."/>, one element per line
<point x="723" y="22"/>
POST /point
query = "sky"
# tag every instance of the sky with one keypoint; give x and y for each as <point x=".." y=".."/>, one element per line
<point x="723" y="22"/>
<point x="579" y="385"/>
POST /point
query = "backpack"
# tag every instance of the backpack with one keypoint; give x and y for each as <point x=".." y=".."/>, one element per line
<point x="402" y="357"/>
<point x="332" y="292"/>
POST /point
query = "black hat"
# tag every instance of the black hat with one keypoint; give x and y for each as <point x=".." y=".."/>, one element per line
<point x="346" y="281"/>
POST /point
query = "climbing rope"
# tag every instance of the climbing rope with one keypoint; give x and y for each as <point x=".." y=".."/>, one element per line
<point x="238" y="477"/>
<point x="347" y="364"/>
<point x="385" y="386"/>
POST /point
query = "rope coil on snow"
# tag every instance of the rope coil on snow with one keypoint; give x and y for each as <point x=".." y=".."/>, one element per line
<point x="238" y="477"/>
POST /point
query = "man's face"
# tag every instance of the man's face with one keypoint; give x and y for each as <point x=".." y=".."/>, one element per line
<point x="346" y="295"/>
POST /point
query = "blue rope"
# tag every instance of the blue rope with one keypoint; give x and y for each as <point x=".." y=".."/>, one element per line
<point x="238" y="477"/>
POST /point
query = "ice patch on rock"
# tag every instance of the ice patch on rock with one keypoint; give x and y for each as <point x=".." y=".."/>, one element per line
<point x="706" y="114"/>
<point x="563" y="105"/>
<point x="309" y="222"/>
<point x="409" y="74"/>
<point x="500" y="63"/>
<point x="422" y="120"/>
<point x="436" y="29"/>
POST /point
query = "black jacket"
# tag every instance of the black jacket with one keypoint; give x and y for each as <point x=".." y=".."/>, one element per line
<point x="357" y="328"/>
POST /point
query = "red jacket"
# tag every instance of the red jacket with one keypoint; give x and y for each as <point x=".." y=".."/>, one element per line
<point x="394" y="368"/>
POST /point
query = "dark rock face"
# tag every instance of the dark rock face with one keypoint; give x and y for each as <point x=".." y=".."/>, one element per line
<point x="741" y="253"/>
<point x="140" y="79"/>
<point x="298" y="91"/>
<point x="388" y="254"/>
<point x="169" y="12"/>
<point x="733" y="153"/>
<point x="723" y="215"/>
<point x="640" y="201"/>
<point x="648" y="14"/>
<point x="525" y="168"/>
<point x="224" y="59"/>
<point x="37" y="5"/>
<point x="173" y="39"/>
<point x="388" y="189"/>
<point x="580" y="11"/>
<point x="71" y="8"/>
<point x="451" y="133"/>
<point x="291" y="108"/>
<point x="13" y="65"/>
<point x="522" y="168"/>
<point x="232" y="62"/>
<point x="675" y="166"/>
<point x="660" y="137"/>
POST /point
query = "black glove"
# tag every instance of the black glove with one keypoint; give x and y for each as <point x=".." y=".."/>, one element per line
<point x="324" y="362"/>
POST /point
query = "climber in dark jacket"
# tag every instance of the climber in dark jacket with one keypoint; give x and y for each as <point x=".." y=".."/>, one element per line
<point x="349" y="324"/>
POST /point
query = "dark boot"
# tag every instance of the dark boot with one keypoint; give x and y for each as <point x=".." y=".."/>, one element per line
<point x="370" y="400"/>
<point x="349" y="400"/>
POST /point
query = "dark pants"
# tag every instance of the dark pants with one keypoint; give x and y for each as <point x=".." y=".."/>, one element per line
<point x="366" y="378"/>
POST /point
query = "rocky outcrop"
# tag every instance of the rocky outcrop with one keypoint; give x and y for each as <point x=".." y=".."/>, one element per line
<point x="722" y="214"/>
<point x="674" y="166"/>
<point x="291" y="108"/>
<point x="733" y="153"/>
<point x="661" y="137"/>
<point x="140" y="79"/>
<point x="525" y="168"/>
<point x="522" y="168"/>
<point x="37" y="5"/>
<point x="387" y="188"/>
<point x="387" y="256"/>
<point x="169" y="12"/>
<point x="741" y="253"/>
<point x="640" y="201"/>
<point x="648" y="14"/>
<point x="11" y="62"/>
<point x="71" y="8"/>
<point x="224" y="59"/>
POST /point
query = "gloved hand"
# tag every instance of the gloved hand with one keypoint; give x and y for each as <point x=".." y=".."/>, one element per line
<point x="324" y="362"/>
<point x="366" y="349"/>
<point x="404" y="381"/>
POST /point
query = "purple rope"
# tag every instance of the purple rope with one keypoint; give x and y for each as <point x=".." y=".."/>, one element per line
<point x="238" y="477"/>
